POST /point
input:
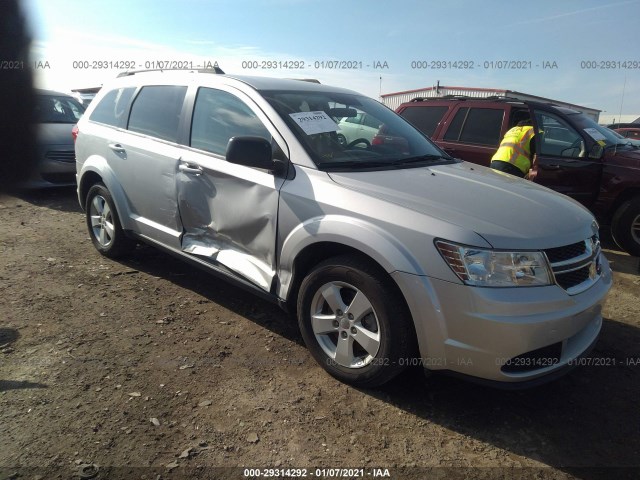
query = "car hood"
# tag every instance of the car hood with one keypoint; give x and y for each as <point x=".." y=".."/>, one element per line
<point x="625" y="157"/>
<point x="55" y="133"/>
<point x="507" y="211"/>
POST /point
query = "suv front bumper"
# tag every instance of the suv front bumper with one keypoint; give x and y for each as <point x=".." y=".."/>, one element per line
<point x="503" y="335"/>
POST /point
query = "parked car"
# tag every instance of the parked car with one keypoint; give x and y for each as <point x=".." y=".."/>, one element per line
<point x="575" y="155"/>
<point x="388" y="257"/>
<point x="56" y="114"/>
<point x="633" y="133"/>
<point x="358" y="129"/>
<point x="628" y="140"/>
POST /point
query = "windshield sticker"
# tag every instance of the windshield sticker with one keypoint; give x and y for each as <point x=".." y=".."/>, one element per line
<point x="595" y="134"/>
<point x="314" y="122"/>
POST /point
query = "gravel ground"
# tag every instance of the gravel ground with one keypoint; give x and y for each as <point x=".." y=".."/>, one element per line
<point x="145" y="368"/>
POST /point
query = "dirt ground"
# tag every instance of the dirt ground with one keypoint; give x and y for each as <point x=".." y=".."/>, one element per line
<point x="146" y="368"/>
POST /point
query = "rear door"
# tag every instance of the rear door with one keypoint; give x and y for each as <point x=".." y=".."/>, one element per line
<point x="145" y="160"/>
<point x="472" y="132"/>
<point x="229" y="211"/>
<point x="562" y="161"/>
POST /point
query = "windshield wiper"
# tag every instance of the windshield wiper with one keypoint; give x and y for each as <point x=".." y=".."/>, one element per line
<point x="353" y="164"/>
<point x="421" y="158"/>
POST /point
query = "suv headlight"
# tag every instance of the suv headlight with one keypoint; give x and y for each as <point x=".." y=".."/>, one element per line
<point x="494" y="268"/>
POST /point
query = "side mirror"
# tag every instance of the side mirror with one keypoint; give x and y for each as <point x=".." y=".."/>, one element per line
<point x="253" y="152"/>
<point x="596" y="151"/>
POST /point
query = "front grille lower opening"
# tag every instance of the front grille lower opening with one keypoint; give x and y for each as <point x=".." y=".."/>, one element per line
<point x="571" y="279"/>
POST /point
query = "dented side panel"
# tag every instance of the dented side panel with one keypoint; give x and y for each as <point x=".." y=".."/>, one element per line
<point x="229" y="216"/>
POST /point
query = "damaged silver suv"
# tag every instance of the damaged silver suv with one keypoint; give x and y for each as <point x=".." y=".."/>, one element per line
<point x="390" y="253"/>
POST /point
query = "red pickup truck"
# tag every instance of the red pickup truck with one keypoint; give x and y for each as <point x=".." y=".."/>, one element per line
<point x="575" y="155"/>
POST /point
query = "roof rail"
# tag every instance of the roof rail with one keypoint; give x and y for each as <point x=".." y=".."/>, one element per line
<point x="310" y="80"/>
<point x="444" y="97"/>
<point x="501" y="98"/>
<point x="215" y="70"/>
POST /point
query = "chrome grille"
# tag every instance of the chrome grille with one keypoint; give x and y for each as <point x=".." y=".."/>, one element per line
<point x="61" y="155"/>
<point x="576" y="267"/>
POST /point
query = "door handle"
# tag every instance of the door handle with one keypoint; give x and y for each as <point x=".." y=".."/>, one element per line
<point x="194" y="170"/>
<point x="549" y="167"/>
<point x="116" y="147"/>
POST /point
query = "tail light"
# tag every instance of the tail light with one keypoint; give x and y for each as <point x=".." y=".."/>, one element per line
<point x="74" y="133"/>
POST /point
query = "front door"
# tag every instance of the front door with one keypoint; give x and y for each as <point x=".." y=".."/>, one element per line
<point x="562" y="161"/>
<point x="228" y="211"/>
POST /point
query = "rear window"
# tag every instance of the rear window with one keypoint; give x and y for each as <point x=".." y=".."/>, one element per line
<point x="113" y="107"/>
<point x="58" y="109"/>
<point x="156" y="111"/>
<point x="425" y="119"/>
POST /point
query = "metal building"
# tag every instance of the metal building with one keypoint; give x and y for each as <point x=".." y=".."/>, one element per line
<point x="393" y="100"/>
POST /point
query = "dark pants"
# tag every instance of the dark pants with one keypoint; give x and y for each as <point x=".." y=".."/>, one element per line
<point x="507" y="167"/>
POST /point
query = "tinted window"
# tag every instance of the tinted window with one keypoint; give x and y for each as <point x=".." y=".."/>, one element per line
<point x="426" y="119"/>
<point x="453" y="132"/>
<point x="58" y="109"/>
<point x="218" y="116"/>
<point x="482" y="126"/>
<point x="113" y="107"/>
<point x="156" y="111"/>
<point x="558" y="138"/>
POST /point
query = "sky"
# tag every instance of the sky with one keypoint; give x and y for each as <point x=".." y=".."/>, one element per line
<point x="577" y="51"/>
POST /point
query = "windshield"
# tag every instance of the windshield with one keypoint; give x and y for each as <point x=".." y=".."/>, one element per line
<point x="58" y="109"/>
<point x="353" y="132"/>
<point x="588" y="125"/>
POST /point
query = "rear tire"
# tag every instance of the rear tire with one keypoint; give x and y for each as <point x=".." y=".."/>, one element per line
<point x="625" y="226"/>
<point x="104" y="225"/>
<point x="354" y="322"/>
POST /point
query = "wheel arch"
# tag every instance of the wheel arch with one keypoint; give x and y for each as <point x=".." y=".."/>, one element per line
<point x="625" y="195"/>
<point x="317" y="240"/>
<point x="96" y="170"/>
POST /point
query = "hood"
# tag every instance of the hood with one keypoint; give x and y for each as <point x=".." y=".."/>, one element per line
<point x="626" y="156"/>
<point x="55" y="133"/>
<point x="510" y="213"/>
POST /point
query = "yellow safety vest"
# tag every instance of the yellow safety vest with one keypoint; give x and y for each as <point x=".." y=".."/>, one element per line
<point x="514" y="148"/>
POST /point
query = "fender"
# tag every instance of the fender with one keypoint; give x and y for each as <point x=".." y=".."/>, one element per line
<point x="355" y="233"/>
<point x="99" y="165"/>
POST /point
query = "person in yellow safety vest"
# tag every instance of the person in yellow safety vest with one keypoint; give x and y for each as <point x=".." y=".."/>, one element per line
<point x="516" y="150"/>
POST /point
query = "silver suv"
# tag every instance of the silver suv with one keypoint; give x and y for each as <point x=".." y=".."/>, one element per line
<point x="391" y="254"/>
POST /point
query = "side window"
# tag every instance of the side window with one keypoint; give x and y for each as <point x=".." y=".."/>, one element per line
<point x="455" y="127"/>
<point x="482" y="126"/>
<point x="218" y="116"/>
<point x="156" y="111"/>
<point x="425" y="119"/>
<point x="558" y="138"/>
<point x="113" y="107"/>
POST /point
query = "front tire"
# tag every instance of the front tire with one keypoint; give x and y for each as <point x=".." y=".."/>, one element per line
<point x="625" y="226"/>
<point x="354" y="322"/>
<point x="104" y="224"/>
